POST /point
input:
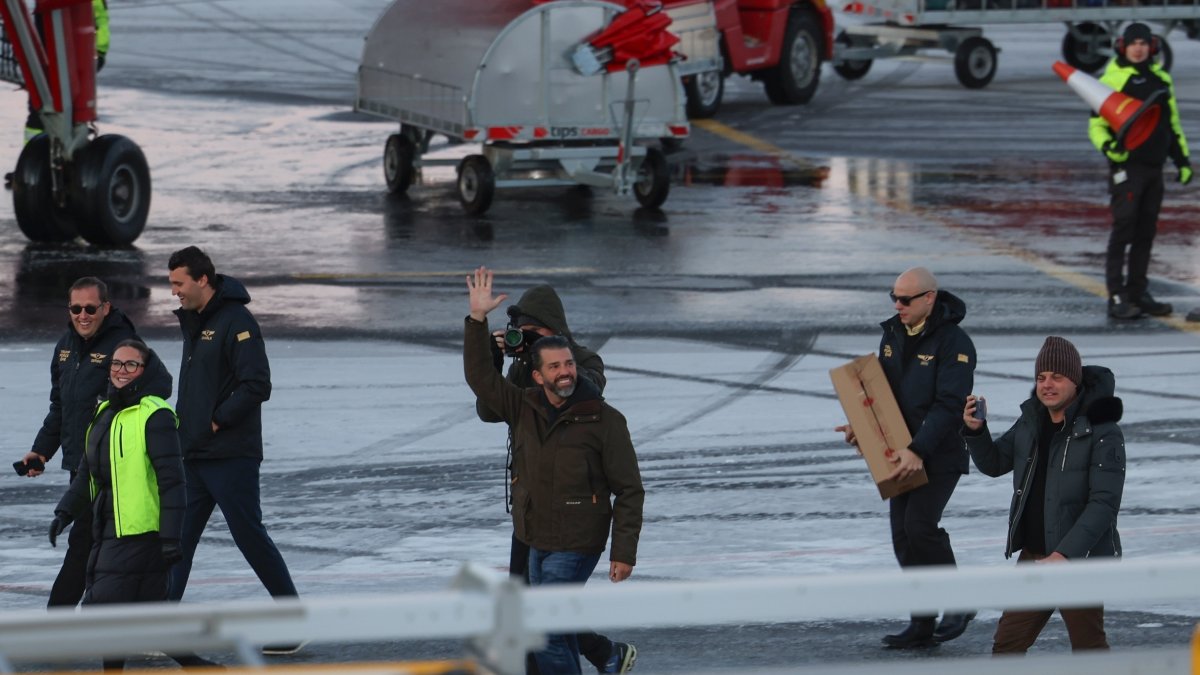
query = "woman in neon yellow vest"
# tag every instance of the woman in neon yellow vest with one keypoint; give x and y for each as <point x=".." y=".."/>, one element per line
<point x="131" y="476"/>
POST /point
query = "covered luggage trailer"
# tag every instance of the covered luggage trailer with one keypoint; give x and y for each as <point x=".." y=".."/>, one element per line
<point x="500" y="73"/>
<point x="906" y="27"/>
<point x="69" y="180"/>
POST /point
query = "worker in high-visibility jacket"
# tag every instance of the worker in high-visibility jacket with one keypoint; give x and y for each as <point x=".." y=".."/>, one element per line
<point x="1136" y="175"/>
<point x="33" y="124"/>
<point x="131" y="479"/>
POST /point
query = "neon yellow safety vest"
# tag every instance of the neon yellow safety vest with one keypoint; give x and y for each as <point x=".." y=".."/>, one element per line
<point x="134" y="482"/>
<point x="100" y="13"/>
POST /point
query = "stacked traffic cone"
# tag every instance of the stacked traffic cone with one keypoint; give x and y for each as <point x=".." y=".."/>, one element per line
<point x="1132" y="119"/>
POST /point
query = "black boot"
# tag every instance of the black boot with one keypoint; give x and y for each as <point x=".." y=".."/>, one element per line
<point x="1150" y="306"/>
<point x="952" y="626"/>
<point x="1119" y="307"/>
<point x="918" y="634"/>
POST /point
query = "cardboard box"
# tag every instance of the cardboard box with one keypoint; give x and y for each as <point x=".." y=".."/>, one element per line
<point x="873" y="413"/>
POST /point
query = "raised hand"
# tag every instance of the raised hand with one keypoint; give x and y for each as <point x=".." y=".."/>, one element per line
<point x="482" y="300"/>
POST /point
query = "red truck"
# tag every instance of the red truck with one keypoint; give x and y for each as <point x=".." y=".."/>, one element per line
<point x="781" y="43"/>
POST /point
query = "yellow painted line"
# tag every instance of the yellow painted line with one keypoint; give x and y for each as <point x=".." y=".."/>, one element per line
<point x="743" y="138"/>
<point x="1043" y="265"/>
<point x="337" y="276"/>
<point x="459" y="667"/>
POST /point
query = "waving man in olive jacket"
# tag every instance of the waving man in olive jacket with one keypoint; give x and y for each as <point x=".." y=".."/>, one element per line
<point x="575" y="473"/>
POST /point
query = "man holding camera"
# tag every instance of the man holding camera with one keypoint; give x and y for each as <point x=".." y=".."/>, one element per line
<point x="78" y="378"/>
<point x="574" y="468"/>
<point x="1067" y="456"/>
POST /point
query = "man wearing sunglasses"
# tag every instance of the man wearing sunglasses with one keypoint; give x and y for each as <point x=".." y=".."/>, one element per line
<point x="223" y="381"/>
<point x="78" y="378"/>
<point x="929" y="362"/>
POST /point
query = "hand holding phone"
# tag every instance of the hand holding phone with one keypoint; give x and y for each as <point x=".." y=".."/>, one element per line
<point x="980" y="409"/>
<point x="23" y="467"/>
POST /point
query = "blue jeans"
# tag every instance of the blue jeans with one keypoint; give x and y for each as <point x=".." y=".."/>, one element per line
<point x="561" y="655"/>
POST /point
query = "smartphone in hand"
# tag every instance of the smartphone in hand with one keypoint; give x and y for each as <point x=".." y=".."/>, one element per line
<point x="980" y="409"/>
<point x="23" y="468"/>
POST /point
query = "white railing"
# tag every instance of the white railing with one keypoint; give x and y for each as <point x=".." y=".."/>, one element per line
<point x="502" y="619"/>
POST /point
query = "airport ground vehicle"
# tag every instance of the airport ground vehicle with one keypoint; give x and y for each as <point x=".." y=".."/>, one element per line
<point x="506" y="79"/>
<point x="781" y="43"/>
<point x="906" y="27"/>
<point x="69" y="181"/>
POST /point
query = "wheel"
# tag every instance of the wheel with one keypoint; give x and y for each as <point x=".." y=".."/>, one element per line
<point x="399" y="155"/>
<point x="111" y="197"/>
<point x="975" y="62"/>
<point x="39" y="218"/>
<point x="704" y="93"/>
<point x="1088" y="51"/>
<point x="1165" y="57"/>
<point x="850" y="70"/>
<point x="653" y="182"/>
<point x="476" y="184"/>
<point x="795" y="78"/>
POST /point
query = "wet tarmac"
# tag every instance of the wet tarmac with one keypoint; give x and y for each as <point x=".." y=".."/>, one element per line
<point x="718" y="316"/>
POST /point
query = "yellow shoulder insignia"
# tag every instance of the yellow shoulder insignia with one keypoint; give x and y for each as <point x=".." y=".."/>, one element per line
<point x="244" y="335"/>
<point x="962" y="358"/>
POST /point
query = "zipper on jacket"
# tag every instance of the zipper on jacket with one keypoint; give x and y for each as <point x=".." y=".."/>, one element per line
<point x="1066" y="447"/>
<point x="112" y="471"/>
<point x="1024" y="494"/>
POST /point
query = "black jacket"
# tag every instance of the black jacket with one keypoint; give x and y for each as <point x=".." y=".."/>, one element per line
<point x="1085" y="473"/>
<point x="932" y="382"/>
<point x="542" y="303"/>
<point x="118" y="567"/>
<point x="78" y="378"/>
<point x="224" y="377"/>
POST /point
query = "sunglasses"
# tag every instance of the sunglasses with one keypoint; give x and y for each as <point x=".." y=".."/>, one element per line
<point x="906" y="300"/>
<point x="127" y="366"/>
<point x="90" y="309"/>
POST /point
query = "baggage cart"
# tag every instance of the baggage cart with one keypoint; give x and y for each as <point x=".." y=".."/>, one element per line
<point x="906" y="27"/>
<point x="501" y="73"/>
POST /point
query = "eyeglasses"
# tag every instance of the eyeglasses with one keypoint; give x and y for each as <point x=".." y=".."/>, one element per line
<point x="127" y="366"/>
<point x="90" y="309"/>
<point x="906" y="300"/>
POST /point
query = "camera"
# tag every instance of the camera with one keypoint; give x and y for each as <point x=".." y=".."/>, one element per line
<point x="517" y="341"/>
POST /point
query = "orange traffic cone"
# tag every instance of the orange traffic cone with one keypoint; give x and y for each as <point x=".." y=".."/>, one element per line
<point x="1134" y="120"/>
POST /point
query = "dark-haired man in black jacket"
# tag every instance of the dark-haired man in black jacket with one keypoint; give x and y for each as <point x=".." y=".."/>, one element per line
<point x="223" y="381"/>
<point x="78" y="378"/>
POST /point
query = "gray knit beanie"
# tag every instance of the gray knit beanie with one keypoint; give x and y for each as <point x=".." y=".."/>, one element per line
<point x="1058" y="355"/>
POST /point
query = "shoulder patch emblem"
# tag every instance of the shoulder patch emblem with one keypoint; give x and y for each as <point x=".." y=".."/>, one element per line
<point x="887" y="351"/>
<point x="98" y="359"/>
<point x="926" y="359"/>
<point x="207" y="334"/>
<point x="244" y="335"/>
<point x="63" y="355"/>
<point x="962" y="358"/>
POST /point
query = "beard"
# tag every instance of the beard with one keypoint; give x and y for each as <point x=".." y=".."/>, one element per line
<point x="564" y="387"/>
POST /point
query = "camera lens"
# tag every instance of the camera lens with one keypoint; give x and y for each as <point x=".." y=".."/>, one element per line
<point x="513" y="337"/>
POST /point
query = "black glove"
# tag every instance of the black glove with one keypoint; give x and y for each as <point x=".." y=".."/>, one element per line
<point x="99" y="62"/>
<point x="171" y="552"/>
<point x="60" y="523"/>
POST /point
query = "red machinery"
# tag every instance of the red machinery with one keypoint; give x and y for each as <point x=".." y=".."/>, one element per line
<point x="781" y="43"/>
<point x="69" y="180"/>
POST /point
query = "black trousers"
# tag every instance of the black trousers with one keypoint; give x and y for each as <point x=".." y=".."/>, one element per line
<point x="1135" y="205"/>
<point x="917" y="538"/>
<point x="595" y="647"/>
<point x="68" y="586"/>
